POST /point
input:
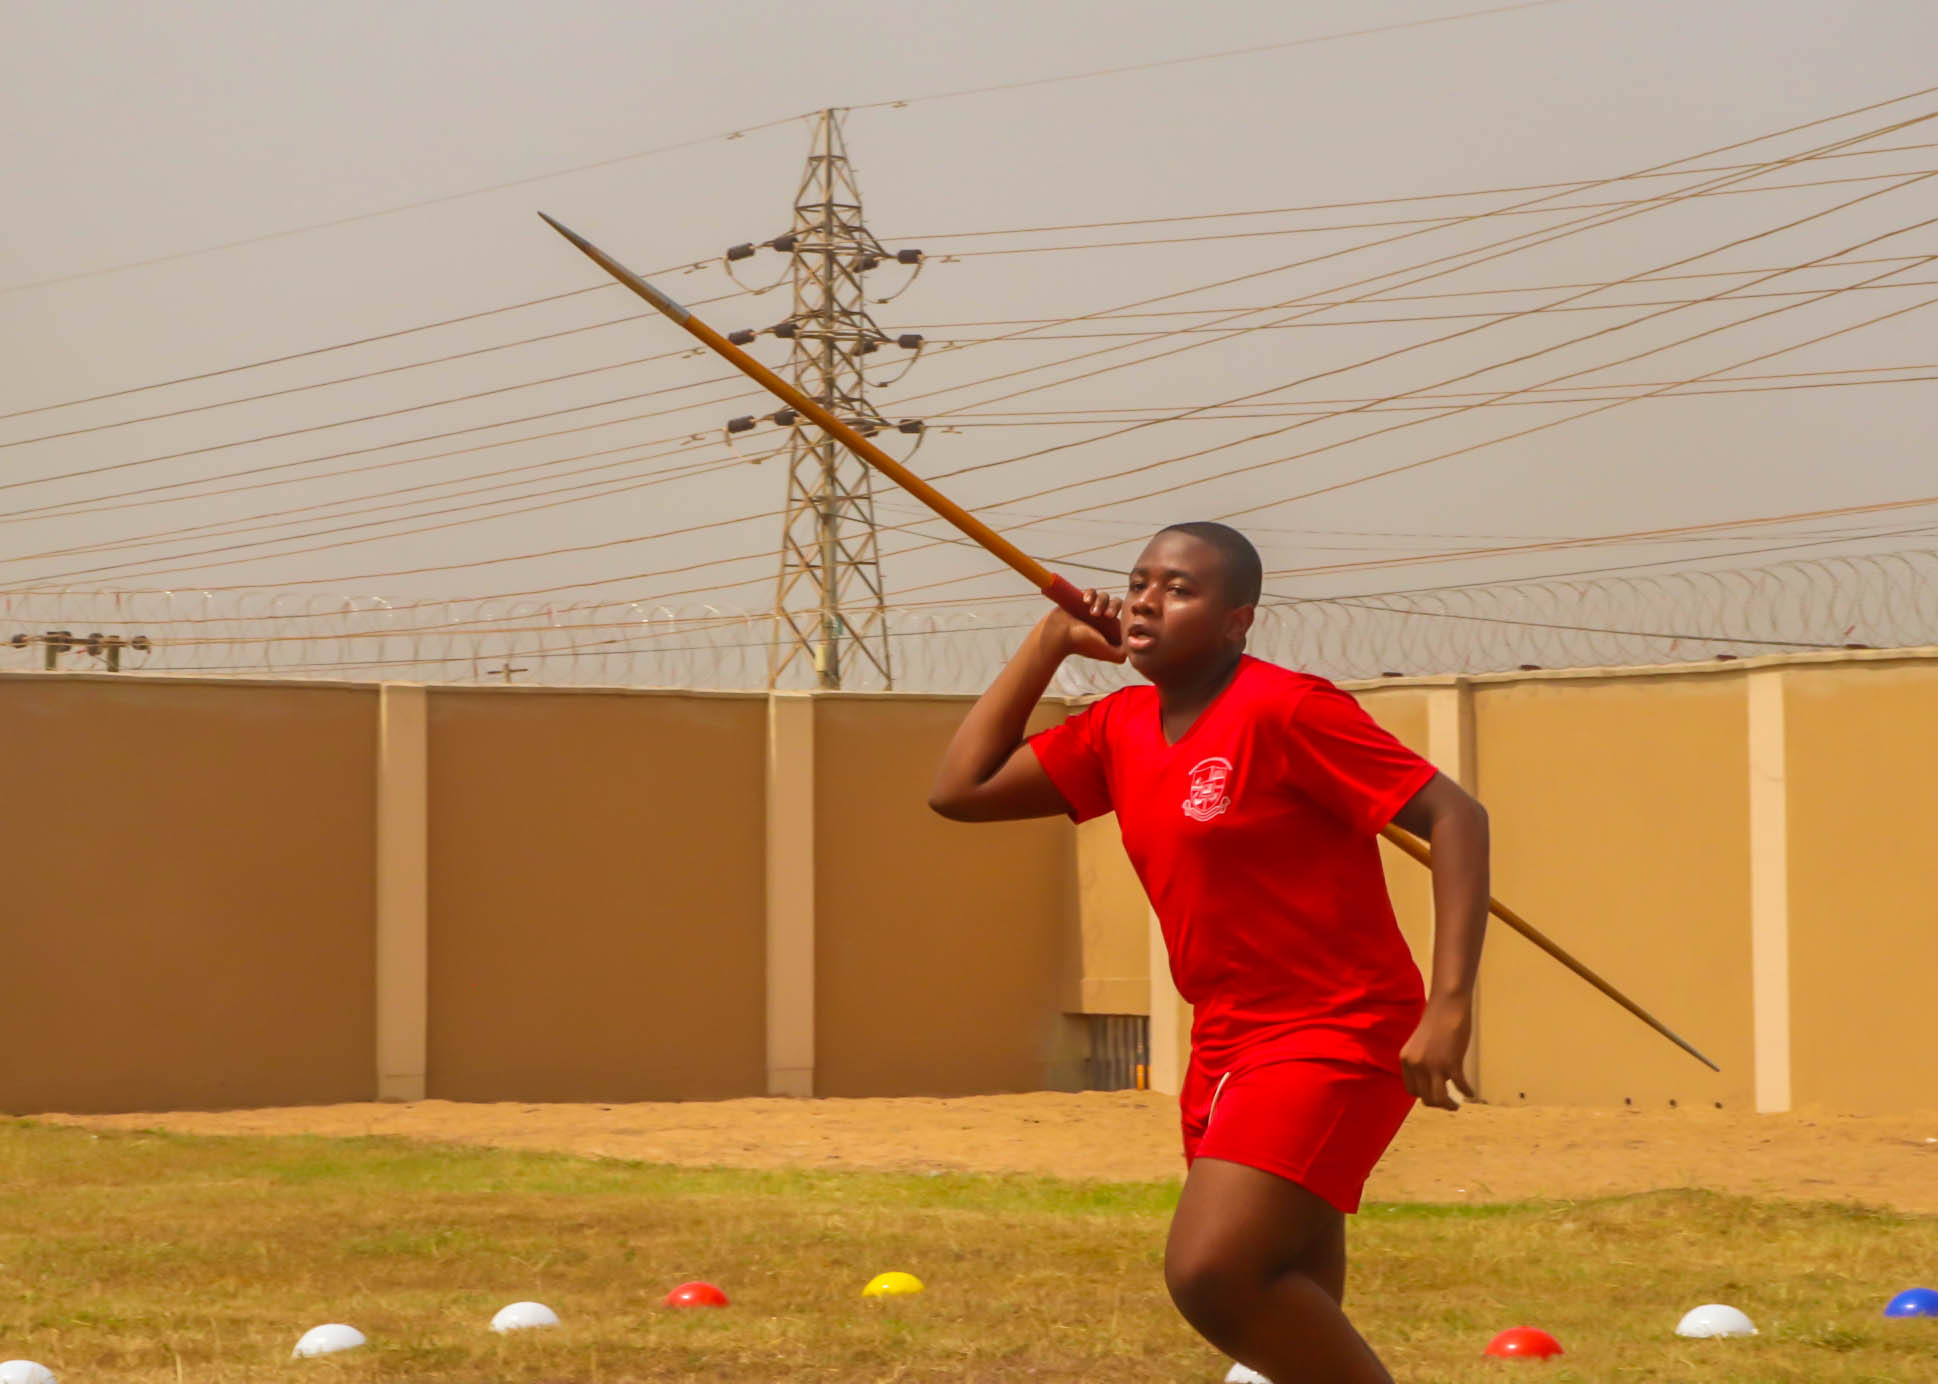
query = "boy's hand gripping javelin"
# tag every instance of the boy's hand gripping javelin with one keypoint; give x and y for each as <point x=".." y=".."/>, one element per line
<point x="1058" y="589"/>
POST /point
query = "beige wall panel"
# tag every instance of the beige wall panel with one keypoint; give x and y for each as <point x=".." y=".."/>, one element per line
<point x="1620" y="829"/>
<point x="941" y="947"/>
<point x="1402" y="712"/>
<point x="1862" y="755"/>
<point x="188" y="913"/>
<point x="598" y="895"/>
<point x="1113" y="968"/>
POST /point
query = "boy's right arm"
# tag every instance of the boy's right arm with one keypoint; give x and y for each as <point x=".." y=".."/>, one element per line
<point x="988" y="773"/>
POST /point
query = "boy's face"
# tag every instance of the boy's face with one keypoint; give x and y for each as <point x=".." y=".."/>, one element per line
<point x="1177" y="617"/>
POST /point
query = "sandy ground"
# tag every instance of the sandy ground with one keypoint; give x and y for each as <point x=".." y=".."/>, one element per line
<point x="1483" y="1153"/>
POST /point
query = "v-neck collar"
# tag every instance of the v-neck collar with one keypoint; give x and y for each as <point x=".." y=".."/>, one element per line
<point x="1157" y="706"/>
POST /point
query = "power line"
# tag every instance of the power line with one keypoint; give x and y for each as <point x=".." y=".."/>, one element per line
<point x="247" y="523"/>
<point x="1524" y="432"/>
<point x="1600" y="408"/>
<point x="1387" y="355"/>
<point x="472" y="397"/>
<point x="72" y="508"/>
<point x="1575" y="397"/>
<point x="1389" y="297"/>
<point x="1152" y="66"/>
<point x="531" y="179"/>
<point x="1308" y="325"/>
<point x="599" y="489"/>
<point x="1276" y="461"/>
<point x="588" y="584"/>
<point x="1165" y="489"/>
<point x="79" y="505"/>
<point x="1498" y="249"/>
<point x="1402" y="221"/>
<point x="1394" y="201"/>
<point x="1511" y="243"/>
<point x="394" y="210"/>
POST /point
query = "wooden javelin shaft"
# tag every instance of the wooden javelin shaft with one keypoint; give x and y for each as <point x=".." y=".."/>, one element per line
<point x="1423" y="853"/>
<point x="1059" y="589"/>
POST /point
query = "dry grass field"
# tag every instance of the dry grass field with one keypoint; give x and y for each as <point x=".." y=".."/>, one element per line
<point x="157" y="1256"/>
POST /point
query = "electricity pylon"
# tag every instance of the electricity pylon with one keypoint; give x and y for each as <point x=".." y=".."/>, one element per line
<point x="829" y="605"/>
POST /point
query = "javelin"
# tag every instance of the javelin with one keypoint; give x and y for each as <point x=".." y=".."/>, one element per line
<point x="1059" y="589"/>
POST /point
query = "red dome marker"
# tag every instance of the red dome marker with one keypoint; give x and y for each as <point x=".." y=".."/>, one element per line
<point x="696" y="1294"/>
<point x="1523" y="1343"/>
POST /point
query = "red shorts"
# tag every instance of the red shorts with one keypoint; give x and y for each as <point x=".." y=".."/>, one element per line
<point x="1316" y="1121"/>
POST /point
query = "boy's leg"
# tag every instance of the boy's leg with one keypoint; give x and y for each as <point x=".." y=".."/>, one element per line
<point x="1257" y="1264"/>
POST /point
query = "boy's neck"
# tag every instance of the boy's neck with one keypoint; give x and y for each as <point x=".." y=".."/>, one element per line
<point x="1190" y="694"/>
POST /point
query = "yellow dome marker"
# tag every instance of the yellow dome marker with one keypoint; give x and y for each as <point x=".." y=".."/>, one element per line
<point x="892" y="1285"/>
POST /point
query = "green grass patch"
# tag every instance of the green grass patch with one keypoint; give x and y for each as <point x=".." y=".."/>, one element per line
<point x="159" y="1257"/>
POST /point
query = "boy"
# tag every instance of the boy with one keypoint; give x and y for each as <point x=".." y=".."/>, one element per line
<point x="1250" y="798"/>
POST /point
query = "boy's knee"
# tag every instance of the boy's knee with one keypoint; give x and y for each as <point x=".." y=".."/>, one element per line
<point x="1210" y="1288"/>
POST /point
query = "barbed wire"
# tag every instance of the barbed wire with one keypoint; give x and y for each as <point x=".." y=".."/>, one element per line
<point x="1879" y="600"/>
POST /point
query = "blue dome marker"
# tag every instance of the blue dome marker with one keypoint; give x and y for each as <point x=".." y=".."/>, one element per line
<point x="1913" y="1302"/>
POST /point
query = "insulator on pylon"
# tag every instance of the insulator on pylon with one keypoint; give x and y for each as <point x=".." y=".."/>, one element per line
<point x="867" y="262"/>
<point x="18" y="641"/>
<point x="784" y="243"/>
<point x="785" y="418"/>
<point x="741" y="424"/>
<point x="910" y="425"/>
<point x="909" y="341"/>
<point x="868" y="344"/>
<point x="786" y="331"/>
<point x="908" y="256"/>
<point x="742" y="337"/>
<point x="95" y="643"/>
<point x="139" y="643"/>
<point x="740" y="252"/>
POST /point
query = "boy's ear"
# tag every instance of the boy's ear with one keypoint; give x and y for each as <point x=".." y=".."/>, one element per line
<point x="1238" y="621"/>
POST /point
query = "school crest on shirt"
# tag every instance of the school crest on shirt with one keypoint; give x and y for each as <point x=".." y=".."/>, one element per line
<point x="1210" y="790"/>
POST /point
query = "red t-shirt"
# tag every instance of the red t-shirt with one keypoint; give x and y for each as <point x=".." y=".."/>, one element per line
<point x="1256" y="837"/>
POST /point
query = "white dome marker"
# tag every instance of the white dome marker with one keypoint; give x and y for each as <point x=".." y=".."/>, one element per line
<point x="327" y="1339"/>
<point x="1714" y="1319"/>
<point x="523" y="1316"/>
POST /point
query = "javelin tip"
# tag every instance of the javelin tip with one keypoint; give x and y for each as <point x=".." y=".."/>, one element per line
<point x="565" y="231"/>
<point x="660" y="300"/>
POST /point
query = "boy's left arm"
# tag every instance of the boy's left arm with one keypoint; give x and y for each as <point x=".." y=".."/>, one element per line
<point x="1449" y="819"/>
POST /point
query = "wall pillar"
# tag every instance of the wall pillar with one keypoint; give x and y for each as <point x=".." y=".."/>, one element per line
<point x="403" y="891"/>
<point x="1769" y="807"/>
<point x="1170" y="1018"/>
<point x="1450" y="731"/>
<point x="790" y="894"/>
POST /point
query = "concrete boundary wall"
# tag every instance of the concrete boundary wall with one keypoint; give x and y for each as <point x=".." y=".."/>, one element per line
<point x="250" y="892"/>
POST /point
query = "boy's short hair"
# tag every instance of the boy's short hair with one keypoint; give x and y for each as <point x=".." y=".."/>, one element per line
<point x="1244" y="573"/>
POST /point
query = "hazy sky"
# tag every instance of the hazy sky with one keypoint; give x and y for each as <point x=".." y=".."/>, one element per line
<point x="138" y="132"/>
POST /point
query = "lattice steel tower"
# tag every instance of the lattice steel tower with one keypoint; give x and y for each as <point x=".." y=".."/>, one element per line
<point x="829" y="607"/>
